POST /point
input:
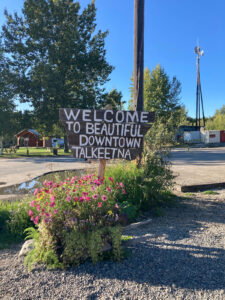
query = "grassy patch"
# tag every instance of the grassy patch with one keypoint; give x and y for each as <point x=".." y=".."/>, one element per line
<point x="189" y="194"/>
<point x="126" y="237"/>
<point x="14" y="220"/>
<point x="22" y="151"/>
<point x="210" y="193"/>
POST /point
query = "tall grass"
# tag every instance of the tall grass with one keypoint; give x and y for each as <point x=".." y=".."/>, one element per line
<point x="14" y="220"/>
<point x="147" y="187"/>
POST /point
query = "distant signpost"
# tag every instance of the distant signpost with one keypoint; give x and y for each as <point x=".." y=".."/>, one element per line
<point x="105" y="134"/>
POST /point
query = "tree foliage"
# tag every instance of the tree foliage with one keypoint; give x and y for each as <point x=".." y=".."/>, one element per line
<point x="6" y="102"/>
<point x="113" y="98"/>
<point x="217" y="122"/>
<point x="162" y="95"/>
<point x="55" y="56"/>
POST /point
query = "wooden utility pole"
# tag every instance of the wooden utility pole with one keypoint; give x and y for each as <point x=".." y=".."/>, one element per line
<point x="138" y="75"/>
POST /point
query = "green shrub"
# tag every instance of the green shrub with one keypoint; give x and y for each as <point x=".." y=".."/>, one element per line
<point x="19" y="219"/>
<point x="131" y="177"/>
<point x="146" y="186"/>
<point x="13" y="221"/>
<point x="74" y="220"/>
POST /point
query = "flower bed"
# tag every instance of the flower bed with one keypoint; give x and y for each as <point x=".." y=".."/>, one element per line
<point x="75" y="220"/>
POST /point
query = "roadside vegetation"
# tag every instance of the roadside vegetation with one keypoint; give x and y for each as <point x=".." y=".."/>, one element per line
<point x="71" y="221"/>
<point x="22" y="151"/>
<point x="210" y="192"/>
<point x="14" y="220"/>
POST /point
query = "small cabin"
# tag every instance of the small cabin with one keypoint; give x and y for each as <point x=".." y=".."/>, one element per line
<point x="29" y="138"/>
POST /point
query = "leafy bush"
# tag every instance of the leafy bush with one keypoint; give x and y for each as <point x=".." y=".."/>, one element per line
<point x="13" y="221"/>
<point x="19" y="220"/>
<point x="132" y="178"/>
<point x="75" y="219"/>
<point x="145" y="186"/>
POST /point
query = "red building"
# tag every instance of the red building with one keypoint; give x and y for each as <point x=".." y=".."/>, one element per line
<point x="30" y="138"/>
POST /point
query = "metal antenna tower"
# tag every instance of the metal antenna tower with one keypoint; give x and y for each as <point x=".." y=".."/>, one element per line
<point x="199" y="99"/>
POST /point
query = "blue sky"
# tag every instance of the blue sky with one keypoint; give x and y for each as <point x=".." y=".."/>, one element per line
<point x="172" y="28"/>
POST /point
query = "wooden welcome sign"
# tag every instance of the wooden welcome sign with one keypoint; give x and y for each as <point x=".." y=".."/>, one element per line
<point x="105" y="134"/>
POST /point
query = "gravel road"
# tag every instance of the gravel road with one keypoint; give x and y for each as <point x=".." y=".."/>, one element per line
<point x="178" y="256"/>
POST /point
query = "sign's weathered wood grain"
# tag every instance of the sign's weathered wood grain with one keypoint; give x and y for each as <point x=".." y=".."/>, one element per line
<point x="105" y="134"/>
<point x="107" y="116"/>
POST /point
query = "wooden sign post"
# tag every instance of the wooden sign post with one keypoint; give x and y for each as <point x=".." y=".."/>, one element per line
<point x="102" y="162"/>
<point x="105" y="134"/>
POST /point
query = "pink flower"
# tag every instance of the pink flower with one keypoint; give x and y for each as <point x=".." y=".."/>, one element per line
<point x="116" y="206"/>
<point x="109" y="189"/>
<point x="68" y="198"/>
<point x="36" y="191"/>
<point x="88" y="199"/>
<point x="85" y="193"/>
<point x="52" y="198"/>
<point x="52" y="204"/>
<point x="95" y="196"/>
<point x="30" y="213"/>
<point x="97" y="182"/>
<point x="36" y="220"/>
<point x="111" y="179"/>
<point x="81" y="199"/>
<point x="32" y="204"/>
<point x="93" y="188"/>
<point x="75" y="199"/>
<point x="45" y="182"/>
<point x="38" y="207"/>
<point x="56" y="211"/>
<point x="124" y="192"/>
<point x="121" y="184"/>
<point x="99" y="204"/>
<point x="104" y="197"/>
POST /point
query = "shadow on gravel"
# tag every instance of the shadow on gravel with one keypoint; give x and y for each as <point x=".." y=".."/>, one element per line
<point x="164" y="264"/>
<point x="161" y="256"/>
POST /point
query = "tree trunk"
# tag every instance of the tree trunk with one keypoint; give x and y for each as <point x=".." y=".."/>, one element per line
<point x="66" y="149"/>
<point x="1" y="145"/>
